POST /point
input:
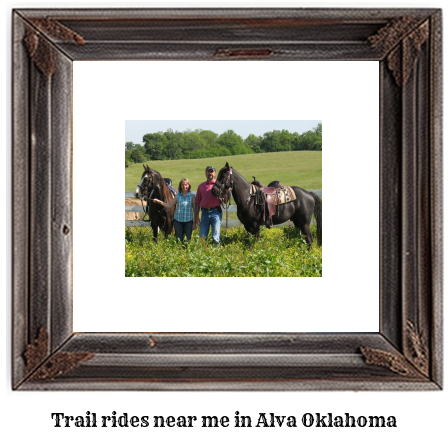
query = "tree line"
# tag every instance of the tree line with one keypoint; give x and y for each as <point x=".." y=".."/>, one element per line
<point x="201" y="143"/>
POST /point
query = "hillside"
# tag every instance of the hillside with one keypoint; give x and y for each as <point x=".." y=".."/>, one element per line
<point x="299" y="168"/>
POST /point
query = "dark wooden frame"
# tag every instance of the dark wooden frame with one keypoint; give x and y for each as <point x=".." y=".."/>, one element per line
<point x="406" y="353"/>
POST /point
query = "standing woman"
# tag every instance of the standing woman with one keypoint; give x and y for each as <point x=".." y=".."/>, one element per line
<point x="183" y="216"/>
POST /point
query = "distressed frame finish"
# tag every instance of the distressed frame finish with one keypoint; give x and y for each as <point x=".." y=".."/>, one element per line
<point x="406" y="353"/>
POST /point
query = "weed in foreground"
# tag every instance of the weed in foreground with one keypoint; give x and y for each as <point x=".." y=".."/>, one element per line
<point x="280" y="252"/>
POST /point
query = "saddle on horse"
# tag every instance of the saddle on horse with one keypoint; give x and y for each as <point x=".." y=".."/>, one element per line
<point x="171" y="188"/>
<point x="265" y="197"/>
<point x="270" y="197"/>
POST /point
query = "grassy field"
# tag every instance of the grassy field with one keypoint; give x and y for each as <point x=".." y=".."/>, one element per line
<point x="300" y="168"/>
<point x="280" y="252"/>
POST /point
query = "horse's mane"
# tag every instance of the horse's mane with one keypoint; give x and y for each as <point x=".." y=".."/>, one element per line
<point x="165" y="190"/>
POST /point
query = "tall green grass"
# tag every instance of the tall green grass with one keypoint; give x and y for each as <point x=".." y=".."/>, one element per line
<point x="300" y="168"/>
<point x="280" y="252"/>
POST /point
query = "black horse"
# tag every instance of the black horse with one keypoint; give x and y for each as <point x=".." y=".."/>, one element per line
<point x="300" y="211"/>
<point x="151" y="186"/>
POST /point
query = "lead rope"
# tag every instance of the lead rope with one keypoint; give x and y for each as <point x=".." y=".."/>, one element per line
<point x="147" y="203"/>
<point x="227" y="214"/>
<point x="143" y="207"/>
<point x="226" y="206"/>
<point x="227" y="217"/>
<point x="230" y="198"/>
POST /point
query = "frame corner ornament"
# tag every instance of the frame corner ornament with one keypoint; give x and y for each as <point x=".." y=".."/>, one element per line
<point x="40" y="50"/>
<point x="418" y="349"/>
<point x="37" y="351"/>
<point x="40" y="365"/>
<point x="395" y="362"/>
<point x="411" y="34"/>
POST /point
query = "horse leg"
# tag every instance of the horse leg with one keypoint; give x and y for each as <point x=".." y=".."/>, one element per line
<point x="309" y="236"/>
<point x="253" y="228"/>
<point x="155" y="231"/>
<point x="305" y="229"/>
<point x="168" y="227"/>
<point x="257" y="230"/>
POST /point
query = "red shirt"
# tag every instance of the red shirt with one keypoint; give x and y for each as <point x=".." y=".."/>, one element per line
<point x="204" y="196"/>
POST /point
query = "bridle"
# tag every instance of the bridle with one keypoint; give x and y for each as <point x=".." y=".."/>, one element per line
<point x="144" y="197"/>
<point x="144" y="190"/>
<point x="225" y="188"/>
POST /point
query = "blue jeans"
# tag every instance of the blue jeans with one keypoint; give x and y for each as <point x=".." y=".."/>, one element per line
<point x="210" y="218"/>
<point x="182" y="229"/>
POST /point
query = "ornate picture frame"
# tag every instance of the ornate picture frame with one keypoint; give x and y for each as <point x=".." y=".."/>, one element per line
<point x="406" y="353"/>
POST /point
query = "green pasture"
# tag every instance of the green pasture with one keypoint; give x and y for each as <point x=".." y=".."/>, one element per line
<point x="299" y="168"/>
<point x="280" y="252"/>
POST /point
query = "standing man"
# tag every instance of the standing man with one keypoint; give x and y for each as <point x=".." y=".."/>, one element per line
<point x="210" y="206"/>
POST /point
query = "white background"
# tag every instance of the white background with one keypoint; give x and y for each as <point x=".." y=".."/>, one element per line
<point x="29" y="413"/>
<point x="344" y="299"/>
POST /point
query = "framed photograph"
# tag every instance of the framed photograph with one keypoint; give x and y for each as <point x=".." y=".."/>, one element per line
<point x="285" y="156"/>
<point x="51" y="351"/>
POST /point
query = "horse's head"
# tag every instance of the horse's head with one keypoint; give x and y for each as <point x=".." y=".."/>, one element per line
<point x="223" y="182"/>
<point x="146" y="184"/>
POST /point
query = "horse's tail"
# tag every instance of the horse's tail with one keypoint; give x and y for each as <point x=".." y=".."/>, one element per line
<point x="318" y="216"/>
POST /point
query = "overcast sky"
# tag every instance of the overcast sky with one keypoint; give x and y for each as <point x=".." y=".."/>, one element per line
<point x="136" y="129"/>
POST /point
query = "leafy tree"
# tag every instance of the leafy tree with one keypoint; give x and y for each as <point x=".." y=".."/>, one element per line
<point x="209" y="138"/>
<point x="220" y="151"/>
<point x="173" y="145"/>
<point x="311" y="141"/>
<point x="138" y="155"/>
<point x="234" y="143"/>
<point x="155" y="145"/>
<point x="285" y="140"/>
<point x="295" y="141"/>
<point x="271" y="141"/>
<point x="195" y="143"/>
<point x="201" y="143"/>
<point x="254" y="143"/>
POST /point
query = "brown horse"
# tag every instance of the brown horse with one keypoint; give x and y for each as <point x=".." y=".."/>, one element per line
<point x="300" y="211"/>
<point x="151" y="186"/>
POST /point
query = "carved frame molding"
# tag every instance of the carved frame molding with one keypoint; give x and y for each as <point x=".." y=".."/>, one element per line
<point x="406" y="354"/>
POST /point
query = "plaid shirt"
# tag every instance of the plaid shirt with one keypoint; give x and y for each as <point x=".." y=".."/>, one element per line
<point x="184" y="207"/>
